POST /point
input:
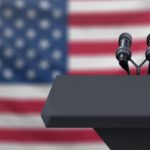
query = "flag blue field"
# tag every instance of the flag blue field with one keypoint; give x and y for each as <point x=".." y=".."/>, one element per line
<point x="40" y="39"/>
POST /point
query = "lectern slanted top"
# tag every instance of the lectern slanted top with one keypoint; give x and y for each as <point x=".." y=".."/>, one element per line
<point x="98" y="101"/>
<point x="117" y="107"/>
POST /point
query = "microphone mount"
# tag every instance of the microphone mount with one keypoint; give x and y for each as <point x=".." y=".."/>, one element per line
<point x="138" y="67"/>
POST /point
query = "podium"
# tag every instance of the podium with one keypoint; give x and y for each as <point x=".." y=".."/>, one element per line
<point x="117" y="107"/>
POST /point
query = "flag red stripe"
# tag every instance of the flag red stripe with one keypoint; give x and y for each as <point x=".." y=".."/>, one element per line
<point x="97" y="72"/>
<point x="107" y="72"/>
<point x="20" y="106"/>
<point x="110" y="19"/>
<point x="48" y="136"/>
<point x="82" y="48"/>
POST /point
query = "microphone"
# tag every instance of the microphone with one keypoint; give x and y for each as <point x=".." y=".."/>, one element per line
<point x="123" y="53"/>
<point x="147" y="54"/>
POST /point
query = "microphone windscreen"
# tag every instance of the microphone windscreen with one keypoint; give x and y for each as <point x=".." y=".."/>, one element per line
<point x="125" y="36"/>
<point x="148" y="40"/>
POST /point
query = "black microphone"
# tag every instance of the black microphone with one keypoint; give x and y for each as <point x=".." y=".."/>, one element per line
<point x="123" y="53"/>
<point x="147" y="54"/>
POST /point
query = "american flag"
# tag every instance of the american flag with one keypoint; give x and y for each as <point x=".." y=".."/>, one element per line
<point x="40" y="39"/>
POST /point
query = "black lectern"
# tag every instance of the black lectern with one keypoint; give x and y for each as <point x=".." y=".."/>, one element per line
<point x="117" y="107"/>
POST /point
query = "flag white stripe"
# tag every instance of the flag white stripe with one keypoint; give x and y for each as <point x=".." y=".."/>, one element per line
<point x="21" y="121"/>
<point x="107" y="6"/>
<point x="94" y="33"/>
<point x="18" y="146"/>
<point x="98" y="62"/>
<point x="24" y="91"/>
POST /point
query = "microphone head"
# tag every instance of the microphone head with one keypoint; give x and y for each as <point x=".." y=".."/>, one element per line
<point x="148" y="40"/>
<point x="125" y="37"/>
<point x="147" y="53"/>
<point x="125" y="40"/>
<point x="123" y="53"/>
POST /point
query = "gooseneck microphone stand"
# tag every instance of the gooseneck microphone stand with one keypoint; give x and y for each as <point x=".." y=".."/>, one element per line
<point x="123" y="53"/>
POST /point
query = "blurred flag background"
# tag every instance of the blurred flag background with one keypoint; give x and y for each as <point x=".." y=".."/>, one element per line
<point x="40" y="39"/>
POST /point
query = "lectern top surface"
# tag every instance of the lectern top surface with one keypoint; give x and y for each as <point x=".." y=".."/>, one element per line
<point x="98" y="101"/>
